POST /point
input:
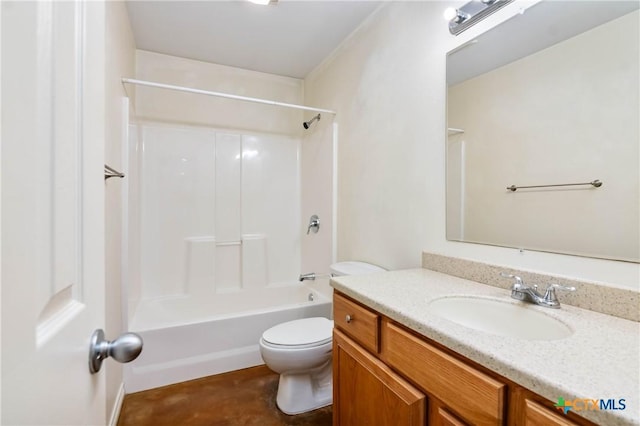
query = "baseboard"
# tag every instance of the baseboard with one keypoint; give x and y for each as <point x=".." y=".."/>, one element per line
<point x="117" y="406"/>
<point x="144" y="377"/>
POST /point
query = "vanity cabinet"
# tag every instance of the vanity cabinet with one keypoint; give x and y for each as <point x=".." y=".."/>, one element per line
<point x="385" y="374"/>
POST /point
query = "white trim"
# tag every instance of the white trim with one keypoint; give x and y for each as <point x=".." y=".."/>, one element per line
<point x="222" y="95"/>
<point x="1" y="233"/>
<point x="463" y="187"/>
<point x="124" y="212"/>
<point x="334" y="212"/>
<point x="117" y="406"/>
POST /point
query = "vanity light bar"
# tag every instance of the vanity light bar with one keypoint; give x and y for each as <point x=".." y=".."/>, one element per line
<point x="596" y="183"/>
<point x="471" y="13"/>
<point x="264" y="2"/>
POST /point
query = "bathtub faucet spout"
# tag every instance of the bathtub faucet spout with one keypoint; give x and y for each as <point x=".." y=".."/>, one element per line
<point x="310" y="276"/>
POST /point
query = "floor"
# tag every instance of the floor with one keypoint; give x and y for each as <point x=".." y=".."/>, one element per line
<point x="244" y="397"/>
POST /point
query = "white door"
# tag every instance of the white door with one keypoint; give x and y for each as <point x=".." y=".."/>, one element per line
<point x="52" y="211"/>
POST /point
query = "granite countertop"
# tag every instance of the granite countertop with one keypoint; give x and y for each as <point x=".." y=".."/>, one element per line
<point x="600" y="360"/>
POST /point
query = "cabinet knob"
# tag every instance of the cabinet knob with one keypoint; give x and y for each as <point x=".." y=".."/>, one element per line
<point x="348" y="318"/>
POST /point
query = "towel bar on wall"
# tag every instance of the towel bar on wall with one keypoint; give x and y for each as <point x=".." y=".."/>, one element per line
<point x="110" y="172"/>
<point x="595" y="183"/>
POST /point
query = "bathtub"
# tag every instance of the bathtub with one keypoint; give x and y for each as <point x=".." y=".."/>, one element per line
<point x="186" y="337"/>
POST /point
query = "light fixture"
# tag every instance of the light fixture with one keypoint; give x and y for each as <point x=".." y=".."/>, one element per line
<point x="264" y="2"/>
<point x="450" y="13"/>
<point x="471" y="13"/>
<point x="455" y="15"/>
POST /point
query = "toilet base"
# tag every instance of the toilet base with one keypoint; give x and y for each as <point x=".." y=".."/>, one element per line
<point x="302" y="392"/>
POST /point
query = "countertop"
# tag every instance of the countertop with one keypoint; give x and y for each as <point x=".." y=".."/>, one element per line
<point x="600" y="360"/>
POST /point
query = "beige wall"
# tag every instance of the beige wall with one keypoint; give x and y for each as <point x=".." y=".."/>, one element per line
<point x="387" y="83"/>
<point x="120" y="62"/>
<point x="176" y="107"/>
<point x="574" y="122"/>
<point x="379" y="93"/>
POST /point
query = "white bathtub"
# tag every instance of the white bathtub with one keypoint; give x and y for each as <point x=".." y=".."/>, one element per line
<point x="187" y="338"/>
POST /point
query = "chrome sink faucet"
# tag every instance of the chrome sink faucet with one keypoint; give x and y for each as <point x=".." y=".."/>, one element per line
<point x="549" y="299"/>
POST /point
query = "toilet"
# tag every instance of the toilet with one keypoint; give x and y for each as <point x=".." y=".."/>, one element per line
<point x="300" y="351"/>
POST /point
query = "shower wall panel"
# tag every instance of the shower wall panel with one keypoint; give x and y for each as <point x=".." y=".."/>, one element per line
<point x="178" y="178"/>
<point x="220" y="211"/>
<point x="200" y="272"/>
<point x="227" y="193"/>
<point x="228" y="220"/>
<point x="271" y="201"/>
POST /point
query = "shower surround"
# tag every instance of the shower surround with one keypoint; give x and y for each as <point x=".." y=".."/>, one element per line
<point x="219" y="248"/>
<point x="219" y="194"/>
<point x="220" y="211"/>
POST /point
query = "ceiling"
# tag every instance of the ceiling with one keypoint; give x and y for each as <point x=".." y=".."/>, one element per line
<point x="289" y="38"/>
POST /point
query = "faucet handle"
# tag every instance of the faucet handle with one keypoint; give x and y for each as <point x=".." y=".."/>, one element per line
<point x="518" y="282"/>
<point x="314" y="224"/>
<point x="550" y="293"/>
<point x="561" y="287"/>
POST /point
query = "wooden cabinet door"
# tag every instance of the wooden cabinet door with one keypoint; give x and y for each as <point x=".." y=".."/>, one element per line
<point x="367" y="392"/>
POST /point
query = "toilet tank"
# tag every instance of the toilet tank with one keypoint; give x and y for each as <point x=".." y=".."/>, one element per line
<point x="353" y="268"/>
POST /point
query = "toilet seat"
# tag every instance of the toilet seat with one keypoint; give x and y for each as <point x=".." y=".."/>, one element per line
<point x="298" y="334"/>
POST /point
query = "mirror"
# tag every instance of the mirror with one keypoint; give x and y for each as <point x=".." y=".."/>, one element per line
<point x="549" y="97"/>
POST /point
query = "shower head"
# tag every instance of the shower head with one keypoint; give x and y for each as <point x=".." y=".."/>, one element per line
<point x="306" y="124"/>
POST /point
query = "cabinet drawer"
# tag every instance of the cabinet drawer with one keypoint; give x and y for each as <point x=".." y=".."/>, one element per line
<point x="358" y="322"/>
<point x="474" y="396"/>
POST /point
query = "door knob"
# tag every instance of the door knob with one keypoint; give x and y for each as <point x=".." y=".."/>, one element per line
<point x="125" y="348"/>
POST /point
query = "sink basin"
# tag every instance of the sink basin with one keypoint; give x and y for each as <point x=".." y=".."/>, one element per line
<point x="499" y="317"/>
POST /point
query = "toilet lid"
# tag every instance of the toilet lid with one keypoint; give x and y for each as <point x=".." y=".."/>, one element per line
<point x="300" y="332"/>
<point x="354" y="268"/>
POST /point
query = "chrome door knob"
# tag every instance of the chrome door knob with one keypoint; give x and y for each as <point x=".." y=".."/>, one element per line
<point x="125" y="348"/>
